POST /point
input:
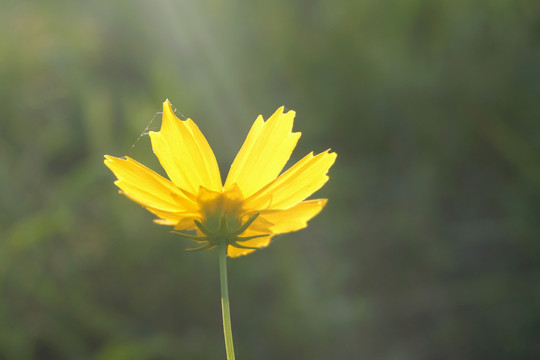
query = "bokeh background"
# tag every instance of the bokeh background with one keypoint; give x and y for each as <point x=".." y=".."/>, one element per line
<point x="428" y="248"/>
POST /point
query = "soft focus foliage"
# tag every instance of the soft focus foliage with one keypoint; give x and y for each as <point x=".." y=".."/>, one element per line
<point x="427" y="249"/>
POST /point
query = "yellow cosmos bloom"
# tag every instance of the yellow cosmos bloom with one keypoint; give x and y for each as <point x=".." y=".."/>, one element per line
<point x="253" y="205"/>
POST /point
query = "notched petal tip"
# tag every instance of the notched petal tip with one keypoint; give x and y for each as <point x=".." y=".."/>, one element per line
<point x="327" y="151"/>
<point x="109" y="159"/>
<point x="169" y="117"/>
<point x="321" y="202"/>
<point x="327" y="154"/>
<point x="168" y="113"/>
<point x="281" y="114"/>
<point x="276" y="113"/>
<point x="287" y="112"/>
<point x="167" y="107"/>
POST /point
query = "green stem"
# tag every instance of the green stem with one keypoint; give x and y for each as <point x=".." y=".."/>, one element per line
<point x="227" y="332"/>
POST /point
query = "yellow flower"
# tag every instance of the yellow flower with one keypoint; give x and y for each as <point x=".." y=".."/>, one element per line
<point x="254" y="204"/>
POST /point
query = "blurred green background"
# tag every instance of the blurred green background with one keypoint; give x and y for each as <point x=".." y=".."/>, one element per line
<point x="428" y="248"/>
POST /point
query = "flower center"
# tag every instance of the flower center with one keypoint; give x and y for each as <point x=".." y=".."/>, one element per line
<point x="221" y="220"/>
<point x="214" y="206"/>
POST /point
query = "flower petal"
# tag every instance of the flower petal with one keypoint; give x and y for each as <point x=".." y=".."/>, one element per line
<point x="276" y="222"/>
<point x="181" y="220"/>
<point x="147" y="187"/>
<point x="294" y="185"/>
<point x="264" y="153"/>
<point x="184" y="153"/>
<point x="294" y="218"/>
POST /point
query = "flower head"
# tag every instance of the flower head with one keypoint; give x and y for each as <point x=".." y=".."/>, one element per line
<point x="253" y="205"/>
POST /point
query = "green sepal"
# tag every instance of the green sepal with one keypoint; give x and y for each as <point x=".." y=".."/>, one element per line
<point x="208" y="246"/>
<point x="190" y="237"/>
<point x="246" y="238"/>
<point x="236" y="245"/>
<point x="223" y="226"/>
<point x="244" y="226"/>
<point x="214" y="238"/>
<point x="206" y="231"/>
